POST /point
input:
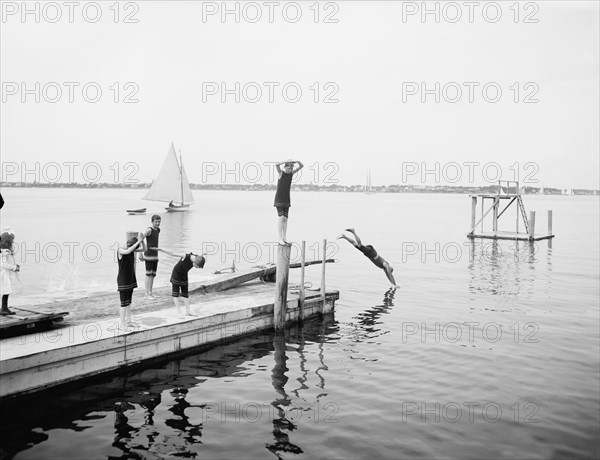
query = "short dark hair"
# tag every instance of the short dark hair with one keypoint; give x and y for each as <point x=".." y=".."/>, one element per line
<point x="131" y="241"/>
<point x="155" y="217"/>
<point x="201" y="261"/>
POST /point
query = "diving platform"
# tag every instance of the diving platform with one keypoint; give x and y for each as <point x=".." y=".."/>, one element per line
<point x="508" y="193"/>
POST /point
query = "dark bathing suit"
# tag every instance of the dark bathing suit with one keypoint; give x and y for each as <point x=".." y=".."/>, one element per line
<point x="282" y="195"/>
<point x="370" y="252"/>
<point x="126" y="281"/>
<point x="151" y="255"/>
<point x="179" y="276"/>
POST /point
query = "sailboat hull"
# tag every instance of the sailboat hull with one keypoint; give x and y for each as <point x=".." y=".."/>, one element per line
<point x="182" y="208"/>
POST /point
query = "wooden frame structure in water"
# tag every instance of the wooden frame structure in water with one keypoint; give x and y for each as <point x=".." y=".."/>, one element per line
<point x="514" y="196"/>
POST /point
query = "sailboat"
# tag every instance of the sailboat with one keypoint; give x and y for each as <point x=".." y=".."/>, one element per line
<point x="368" y="188"/>
<point x="172" y="186"/>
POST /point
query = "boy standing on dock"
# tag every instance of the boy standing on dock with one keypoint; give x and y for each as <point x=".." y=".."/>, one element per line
<point x="282" y="196"/>
<point x="150" y="256"/>
<point x="126" y="281"/>
<point x="370" y="252"/>
<point x="179" y="278"/>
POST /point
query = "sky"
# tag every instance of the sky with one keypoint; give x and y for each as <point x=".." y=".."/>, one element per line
<point x="465" y="94"/>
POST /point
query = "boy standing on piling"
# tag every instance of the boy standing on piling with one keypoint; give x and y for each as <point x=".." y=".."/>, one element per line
<point x="179" y="278"/>
<point x="150" y="256"/>
<point x="126" y="281"/>
<point x="282" y="196"/>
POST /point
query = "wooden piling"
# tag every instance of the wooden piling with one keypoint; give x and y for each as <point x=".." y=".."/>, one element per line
<point x="549" y="222"/>
<point x="301" y="292"/>
<point x="323" y="273"/>
<point x="281" y="280"/>
<point x="495" y="216"/>
<point x="473" y="212"/>
<point x="531" y="224"/>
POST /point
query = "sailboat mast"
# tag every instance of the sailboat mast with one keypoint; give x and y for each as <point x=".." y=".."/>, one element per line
<point x="181" y="175"/>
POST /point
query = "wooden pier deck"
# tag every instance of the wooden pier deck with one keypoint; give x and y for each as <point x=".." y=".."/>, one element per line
<point x="94" y="344"/>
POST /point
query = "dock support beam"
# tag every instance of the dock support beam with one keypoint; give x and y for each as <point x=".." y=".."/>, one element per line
<point x="473" y="212"/>
<point x="531" y="225"/>
<point x="495" y="216"/>
<point x="549" y="222"/>
<point x="281" y="280"/>
<point x="301" y="294"/>
<point x="323" y="274"/>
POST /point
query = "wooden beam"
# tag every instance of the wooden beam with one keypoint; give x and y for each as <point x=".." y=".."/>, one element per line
<point x="531" y="225"/>
<point x="301" y="294"/>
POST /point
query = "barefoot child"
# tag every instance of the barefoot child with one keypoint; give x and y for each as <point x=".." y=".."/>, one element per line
<point x="282" y="195"/>
<point x="179" y="278"/>
<point x="126" y="281"/>
<point x="9" y="276"/>
<point x="370" y="252"/>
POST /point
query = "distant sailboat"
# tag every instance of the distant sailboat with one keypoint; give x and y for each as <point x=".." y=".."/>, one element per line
<point x="172" y="186"/>
<point x="368" y="188"/>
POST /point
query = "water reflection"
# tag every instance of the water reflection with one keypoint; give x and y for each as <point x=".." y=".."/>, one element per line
<point x="158" y="410"/>
<point x="507" y="268"/>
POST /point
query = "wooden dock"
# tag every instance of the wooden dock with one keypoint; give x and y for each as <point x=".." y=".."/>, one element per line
<point x="27" y="321"/>
<point x="37" y="361"/>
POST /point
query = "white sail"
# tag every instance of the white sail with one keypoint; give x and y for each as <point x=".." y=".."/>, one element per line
<point x="172" y="183"/>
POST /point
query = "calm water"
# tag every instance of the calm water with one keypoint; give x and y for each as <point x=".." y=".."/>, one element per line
<point x="487" y="350"/>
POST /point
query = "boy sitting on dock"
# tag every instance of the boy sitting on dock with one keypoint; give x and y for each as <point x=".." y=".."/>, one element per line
<point x="126" y="281"/>
<point x="179" y="278"/>
<point x="282" y="195"/>
<point x="370" y="252"/>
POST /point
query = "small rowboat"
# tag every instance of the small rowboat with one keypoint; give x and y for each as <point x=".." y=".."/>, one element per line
<point x="133" y="212"/>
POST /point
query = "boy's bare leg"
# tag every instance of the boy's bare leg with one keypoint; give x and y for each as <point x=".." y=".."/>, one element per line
<point x="179" y="313"/>
<point x="285" y="222"/>
<point x="351" y="230"/>
<point x="352" y="242"/>
<point x="188" y="312"/>
<point x="280" y="229"/>
<point x="122" y="314"/>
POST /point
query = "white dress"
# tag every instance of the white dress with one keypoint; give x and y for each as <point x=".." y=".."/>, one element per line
<point x="10" y="282"/>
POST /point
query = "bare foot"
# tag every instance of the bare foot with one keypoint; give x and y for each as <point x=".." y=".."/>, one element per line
<point x="189" y="313"/>
<point x="351" y="230"/>
<point x="283" y="242"/>
<point x="341" y="236"/>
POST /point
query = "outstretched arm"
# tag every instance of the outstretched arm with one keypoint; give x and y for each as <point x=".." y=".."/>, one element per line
<point x="388" y="273"/>
<point x="169" y="252"/>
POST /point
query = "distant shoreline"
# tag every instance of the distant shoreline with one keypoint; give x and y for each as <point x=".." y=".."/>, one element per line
<point x="489" y="189"/>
